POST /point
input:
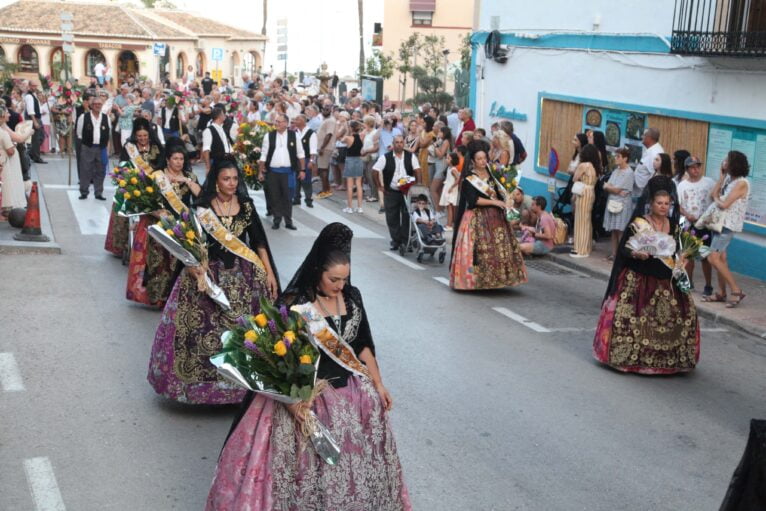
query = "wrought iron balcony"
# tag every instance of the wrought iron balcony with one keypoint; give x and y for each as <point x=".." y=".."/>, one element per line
<point x="734" y="28"/>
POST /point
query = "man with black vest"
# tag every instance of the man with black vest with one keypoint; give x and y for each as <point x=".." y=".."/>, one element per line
<point x="282" y="157"/>
<point x="32" y="113"/>
<point x="389" y="168"/>
<point x="171" y="120"/>
<point x="309" y="143"/>
<point x="93" y="131"/>
<point x="216" y="142"/>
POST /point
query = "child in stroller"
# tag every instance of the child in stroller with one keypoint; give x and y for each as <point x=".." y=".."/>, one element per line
<point x="431" y="231"/>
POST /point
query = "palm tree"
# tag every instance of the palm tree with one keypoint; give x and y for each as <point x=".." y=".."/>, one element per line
<point x="360" y="8"/>
<point x="265" y="15"/>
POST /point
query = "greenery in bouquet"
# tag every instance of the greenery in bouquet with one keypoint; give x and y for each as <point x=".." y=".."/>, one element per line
<point x="185" y="230"/>
<point x="506" y="176"/>
<point x="174" y="98"/>
<point x="273" y="347"/>
<point x="690" y="245"/>
<point x="136" y="192"/>
<point x="248" y="150"/>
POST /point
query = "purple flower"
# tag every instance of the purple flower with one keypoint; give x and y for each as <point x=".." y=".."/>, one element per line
<point x="272" y="326"/>
<point x="178" y="231"/>
<point x="252" y="347"/>
<point x="705" y="237"/>
<point x="185" y="216"/>
<point x="287" y="342"/>
<point x="283" y="313"/>
<point x="241" y="321"/>
<point x="141" y="174"/>
<point x="121" y="191"/>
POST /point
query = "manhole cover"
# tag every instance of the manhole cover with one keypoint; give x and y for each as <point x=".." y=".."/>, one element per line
<point x="548" y="267"/>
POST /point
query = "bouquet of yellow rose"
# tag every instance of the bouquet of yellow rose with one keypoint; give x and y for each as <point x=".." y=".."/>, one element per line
<point x="507" y="176"/>
<point x="136" y="192"/>
<point x="248" y="149"/>
<point x="273" y="353"/>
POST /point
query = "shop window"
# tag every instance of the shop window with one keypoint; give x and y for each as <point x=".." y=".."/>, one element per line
<point x="180" y="65"/>
<point x="422" y="18"/>
<point x="58" y="61"/>
<point x="28" y="60"/>
<point x="200" y="64"/>
<point x="92" y="58"/>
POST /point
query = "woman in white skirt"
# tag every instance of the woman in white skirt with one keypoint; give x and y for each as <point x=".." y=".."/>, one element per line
<point x="619" y="204"/>
<point x="13" y="195"/>
<point x="451" y="188"/>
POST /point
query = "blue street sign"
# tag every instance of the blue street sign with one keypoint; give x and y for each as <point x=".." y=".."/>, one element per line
<point x="216" y="54"/>
<point x="159" y="49"/>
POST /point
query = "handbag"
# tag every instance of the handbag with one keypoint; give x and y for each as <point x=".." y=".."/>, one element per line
<point x="615" y="206"/>
<point x="578" y="188"/>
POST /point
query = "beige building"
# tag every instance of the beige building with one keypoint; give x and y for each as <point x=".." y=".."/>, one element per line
<point x="123" y="37"/>
<point x="401" y="18"/>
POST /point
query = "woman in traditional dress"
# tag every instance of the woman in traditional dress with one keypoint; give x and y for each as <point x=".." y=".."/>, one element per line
<point x="151" y="150"/>
<point x="152" y="269"/>
<point x="266" y="463"/>
<point x="13" y="195"/>
<point x="647" y="324"/>
<point x="192" y="323"/>
<point x="485" y="252"/>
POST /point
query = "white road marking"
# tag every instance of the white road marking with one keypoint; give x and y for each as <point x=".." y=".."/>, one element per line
<point x="92" y="215"/>
<point x="405" y="262"/>
<point x="593" y="329"/>
<point x="521" y="319"/>
<point x="10" y="377"/>
<point x="42" y="484"/>
<point x="77" y="187"/>
<point x="443" y="280"/>
<point x="328" y="216"/>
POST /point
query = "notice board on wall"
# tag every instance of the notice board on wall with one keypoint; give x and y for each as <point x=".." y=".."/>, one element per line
<point x="752" y="142"/>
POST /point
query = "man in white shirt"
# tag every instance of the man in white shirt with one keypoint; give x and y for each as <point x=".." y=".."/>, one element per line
<point x="282" y="157"/>
<point x="694" y="197"/>
<point x="314" y="120"/>
<point x="93" y="131"/>
<point x="98" y="71"/>
<point x="645" y="169"/>
<point x="33" y="112"/>
<point x="308" y="138"/>
<point x="216" y="143"/>
<point x="389" y="168"/>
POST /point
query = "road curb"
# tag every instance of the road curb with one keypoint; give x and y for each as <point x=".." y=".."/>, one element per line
<point x="703" y="309"/>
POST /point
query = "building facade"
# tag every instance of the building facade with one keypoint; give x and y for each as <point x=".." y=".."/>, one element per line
<point x="620" y="67"/>
<point x="402" y="18"/>
<point x="124" y="38"/>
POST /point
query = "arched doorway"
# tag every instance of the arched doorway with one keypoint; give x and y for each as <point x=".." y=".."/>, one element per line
<point x="58" y="61"/>
<point x="127" y="65"/>
<point x="251" y="63"/>
<point x="200" y="64"/>
<point x="27" y="59"/>
<point x="92" y="58"/>
<point x="2" y="53"/>
<point x="180" y="65"/>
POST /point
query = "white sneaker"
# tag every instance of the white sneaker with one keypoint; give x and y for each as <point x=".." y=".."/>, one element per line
<point x="348" y="210"/>
<point x="359" y="210"/>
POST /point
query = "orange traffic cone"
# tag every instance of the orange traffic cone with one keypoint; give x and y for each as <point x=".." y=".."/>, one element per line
<point x="31" y="230"/>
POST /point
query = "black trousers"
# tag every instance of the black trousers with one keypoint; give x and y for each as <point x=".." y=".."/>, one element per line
<point x="279" y="196"/>
<point x="397" y="216"/>
<point x="37" y="140"/>
<point x="304" y="184"/>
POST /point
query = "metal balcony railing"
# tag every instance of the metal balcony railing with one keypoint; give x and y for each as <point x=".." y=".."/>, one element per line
<point x="735" y="28"/>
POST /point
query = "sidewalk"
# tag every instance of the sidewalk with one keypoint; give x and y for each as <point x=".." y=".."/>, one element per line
<point x="8" y="245"/>
<point x="747" y="317"/>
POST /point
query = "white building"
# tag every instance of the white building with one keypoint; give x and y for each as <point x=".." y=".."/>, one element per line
<point x="695" y="69"/>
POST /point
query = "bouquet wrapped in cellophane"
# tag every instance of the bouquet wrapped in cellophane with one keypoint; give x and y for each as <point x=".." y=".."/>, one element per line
<point x="248" y="150"/>
<point x="507" y="176"/>
<point x="405" y="183"/>
<point x="185" y="240"/>
<point x="690" y="246"/>
<point x="136" y="192"/>
<point x="274" y="354"/>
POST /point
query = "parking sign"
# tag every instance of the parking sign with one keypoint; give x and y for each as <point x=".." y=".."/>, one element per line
<point x="158" y="49"/>
<point x="216" y="54"/>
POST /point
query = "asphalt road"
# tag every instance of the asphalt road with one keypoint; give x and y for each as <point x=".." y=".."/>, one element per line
<point x="498" y="404"/>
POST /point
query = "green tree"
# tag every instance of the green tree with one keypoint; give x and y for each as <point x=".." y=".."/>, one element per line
<point x="164" y="4"/>
<point x="465" y="52"/>
<point x="408" y="53"/>
<point x="380" y="64"/>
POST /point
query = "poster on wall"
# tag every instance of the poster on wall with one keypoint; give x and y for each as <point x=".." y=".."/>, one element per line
<point x="751" y="142"/>
<point x="620" y="128"/>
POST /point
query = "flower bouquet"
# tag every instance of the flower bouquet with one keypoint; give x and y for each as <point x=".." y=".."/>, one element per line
<point x="248" y="150"/>
<point x="405" y="183"/>
<point x="274" y="354"/>
<point x="185" y="240"/>
<point x="690" y="246"/>
<point x="507" y="176"/>
<point x="136" y="192"/>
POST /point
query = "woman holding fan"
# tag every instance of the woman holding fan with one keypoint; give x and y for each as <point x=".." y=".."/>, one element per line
<point x="240" y="263"/>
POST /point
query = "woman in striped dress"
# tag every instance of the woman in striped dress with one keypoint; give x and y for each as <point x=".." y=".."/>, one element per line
<point x="587" y="174"/>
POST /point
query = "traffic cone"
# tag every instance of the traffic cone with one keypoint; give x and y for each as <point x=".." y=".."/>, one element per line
<point x="31" y="230"/>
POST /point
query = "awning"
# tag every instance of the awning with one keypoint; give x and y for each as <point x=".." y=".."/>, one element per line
<point x="423" y="5"/>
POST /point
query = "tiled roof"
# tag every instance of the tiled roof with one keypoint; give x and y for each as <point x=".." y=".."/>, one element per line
<point x="113" y="20"/>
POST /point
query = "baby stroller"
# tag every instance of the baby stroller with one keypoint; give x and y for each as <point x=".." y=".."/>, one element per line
<point x="415" y="241"/>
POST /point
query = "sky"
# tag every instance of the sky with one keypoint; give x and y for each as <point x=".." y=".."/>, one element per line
<point x="317" y="30"/>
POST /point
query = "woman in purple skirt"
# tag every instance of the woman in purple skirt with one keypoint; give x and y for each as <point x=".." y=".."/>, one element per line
<point x="192" y="323"/>
<point x="266" y="463"/>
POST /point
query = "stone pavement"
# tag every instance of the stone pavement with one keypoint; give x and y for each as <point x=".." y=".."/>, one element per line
<point x="747" y="317"/>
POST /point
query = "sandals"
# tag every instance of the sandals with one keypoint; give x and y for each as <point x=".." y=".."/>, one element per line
<point x="730" y="304"/>
<point x="716" y="297"/>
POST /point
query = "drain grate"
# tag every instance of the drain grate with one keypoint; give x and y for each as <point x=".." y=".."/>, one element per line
<point x="548" y="267"/>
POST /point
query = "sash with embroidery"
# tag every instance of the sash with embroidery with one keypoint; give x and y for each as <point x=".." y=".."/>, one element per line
<point x="213" y="226"/>
<point x="167" y="191"/>
<point x="137" y="159"/>
<point x="484" y="187"/>
<point x="329" y="341"/>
